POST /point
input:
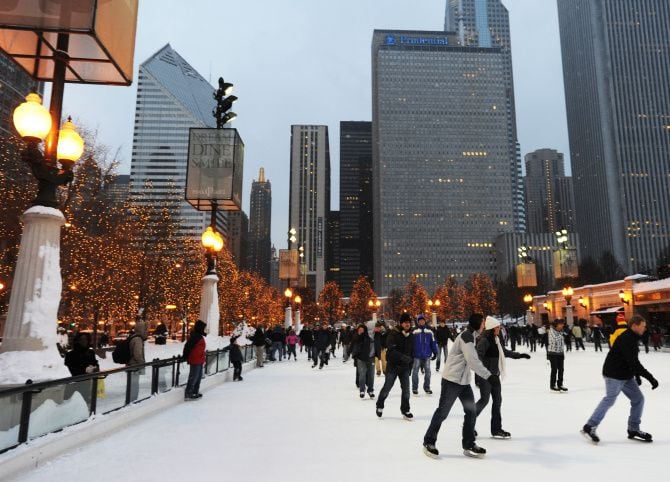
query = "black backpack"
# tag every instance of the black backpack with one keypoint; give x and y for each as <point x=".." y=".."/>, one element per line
<point x="121" y="353"/>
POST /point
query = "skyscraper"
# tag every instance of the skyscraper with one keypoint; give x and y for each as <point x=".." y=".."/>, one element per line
<point x="616" y="71"/>
<point x="237" y="237"/>
<point x="355" y="203"/>
<point x="15" y="84"/>
<point x="443" y="151"/>
<point x="309" y="198"/>
<point x="333" y="248"/>
<point x="259" y="226"/>
<point x="549" y="193"/>
<point x="171" y="98"/>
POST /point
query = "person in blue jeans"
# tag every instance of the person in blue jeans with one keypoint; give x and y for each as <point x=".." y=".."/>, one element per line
<point x="425" y="350"/>
<point x="623" y="371"/>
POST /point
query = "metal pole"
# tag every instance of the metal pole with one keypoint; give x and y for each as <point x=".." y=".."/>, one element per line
<point x="57" y="90"/>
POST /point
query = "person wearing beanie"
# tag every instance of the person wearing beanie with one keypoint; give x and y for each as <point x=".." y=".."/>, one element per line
<point x="556" y="355"/>
<point x="363" y="352"/>
<point x="461" y="360"/>
<point x="442" y="336"/>
<point x="194" y="354"/>
<point x="492" y="354"/>
<point x="425" y="350"/>
<point x="621" y="326"/>
<point x="399" y="359"/>
<point x="623" y="371"/>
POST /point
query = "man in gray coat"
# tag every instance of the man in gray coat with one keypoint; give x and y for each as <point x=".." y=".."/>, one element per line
<point x="456" y="384"/>
<point x="136" y="346"/>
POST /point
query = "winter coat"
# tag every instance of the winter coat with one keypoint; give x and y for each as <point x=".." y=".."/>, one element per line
<point x="291" y="340"/>
<point x="307" y="337"/>
<point x="258" y="338"/>
<point x="346" y="336"/>
<point x="596" y="334"/>
<point x="194" y="349"/>
<point x="380" y="339"/>
<point x="462" y="358"/>
<point x="577" y="332"/>
<point x="361" y="347"/>
<point x="555" y="343"/>
<point x="621" y="326"/>
<point x="77" y="359"/>
<point x="622" y="361"/>
<point x="235" y="352"/>
<point x="443" y="335"/>
<point x="278" y="335"/>
<point x="322" y="339"/>
<point x="136" y="344"/>
<point x="488" y="353"/>
<point x="424" y="343"/>
<point x="400" y="349"/>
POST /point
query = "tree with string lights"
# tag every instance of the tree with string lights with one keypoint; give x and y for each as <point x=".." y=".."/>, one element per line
<point x="361" y="293"/>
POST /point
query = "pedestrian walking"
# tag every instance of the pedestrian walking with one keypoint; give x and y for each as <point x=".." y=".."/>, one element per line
<point x="399" y="359"/>
<point x="194" y="354"/>
<point x="556" y="355"/>
<point x="442" y="336"/>
<point x="623" y="371"/>
<point x="425" y="350"/>
<point x="456" y="377"/>
<point x="493" y="354"/>
<point x="346" y="335"/>
<point x="363" y="352"/>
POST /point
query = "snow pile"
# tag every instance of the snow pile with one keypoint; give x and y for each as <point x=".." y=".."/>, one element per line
<point x="18" y="366"/>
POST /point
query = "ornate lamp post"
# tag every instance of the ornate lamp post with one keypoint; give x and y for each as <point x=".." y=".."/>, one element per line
<point x="374" y="305"/>
<point x="297" y="300"/>
<point x="212" y="241"/>
<point x="288" y="314"/>
<point x="528" y="299"/>
<point x="433" y="306"/>
<point x="567" y="293"/>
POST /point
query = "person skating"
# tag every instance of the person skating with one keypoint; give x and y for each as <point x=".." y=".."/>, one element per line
<point x="597" y="337"/>
<point x="307" y="340"/>
<point x="456" y="385"/>
<point x="442" y="337"/>
<point x="425" y="349"/>
<point x="380" y="334"/>
<point x="321" y="346"/>
<point x="578" y="334"/>
<point x="258" y="340"/>
<point x="398" y="365"/>
<point x="363" y="352"/>
<point x="556" y="355"/>
<point x="346" y="335"/>
<point x="194" y="354"/>
<point x="623" y="371"/>
<point x="291" y="342"/>
<point x="493" y="354"/>
<point x="235" y="358"/>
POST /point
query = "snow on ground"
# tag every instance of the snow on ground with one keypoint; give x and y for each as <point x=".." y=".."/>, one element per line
<point x="289" y="422"/>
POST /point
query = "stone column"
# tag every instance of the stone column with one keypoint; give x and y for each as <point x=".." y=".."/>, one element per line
<point x="28" y="348"/>
<point x="209" y="304"/>
<point x="298" y="326"/>
<point x="288" y="317"/>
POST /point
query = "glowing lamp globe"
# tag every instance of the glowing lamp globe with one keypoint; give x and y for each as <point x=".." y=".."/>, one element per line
<point x="31" y="119"/>
<point x="528" y="298"/>
<point x="208" y="238"/>
<point x="437" y="303"/>
<point x="288" y="293"/>
<point x="298" y="299"/>
<point x="70" y="144"/>
<point x="218" y="242"/>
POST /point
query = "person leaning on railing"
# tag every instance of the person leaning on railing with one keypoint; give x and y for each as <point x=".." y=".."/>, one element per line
<point x="194" y="355"/>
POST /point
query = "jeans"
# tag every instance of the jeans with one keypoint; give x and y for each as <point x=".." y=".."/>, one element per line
<point x="486" y="391"/>
<point x="276" y="350"/>
<point x="291" y="351"/>
<point x="612" y="389"/>
<point x="579" y="343"/>
<point x="440" y="349"/>
<point x="391" y="374"/>
<point x="450" y="392"/>
<point x="345" y="352"/>
<point x="425" y="364"/>
<point x="556" y="360"/>
<point x="365" y="371"/>
<point x="194" y="377"/>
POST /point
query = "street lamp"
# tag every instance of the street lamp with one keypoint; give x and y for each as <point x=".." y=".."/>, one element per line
<point x="528" y="299"/>
<point x="374" y="306"/>
<point x="622" y="297"/>
<point x="212" y="241"/>
<point x="568" y="292"/>
<point x="436" y="304"/>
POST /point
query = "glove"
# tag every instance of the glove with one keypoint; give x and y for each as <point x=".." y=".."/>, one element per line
<point x="653" y="381"/>
<point x="638" y="380"/>
<point x="91" y="369"/>
<point x="434" y="357"/>
<point x="525" y="355"/>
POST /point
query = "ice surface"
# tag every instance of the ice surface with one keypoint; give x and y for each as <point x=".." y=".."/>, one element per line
<point x="289" y="422"/>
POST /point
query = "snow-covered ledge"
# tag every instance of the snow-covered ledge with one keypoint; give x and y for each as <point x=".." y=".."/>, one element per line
<point x="28" y="348"/>
<point x="209" y="304"/>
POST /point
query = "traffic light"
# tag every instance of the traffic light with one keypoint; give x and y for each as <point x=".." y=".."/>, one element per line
<point x="224" y="102"/>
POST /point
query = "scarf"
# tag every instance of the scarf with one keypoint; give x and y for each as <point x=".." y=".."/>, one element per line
<point x="501" y="358"/>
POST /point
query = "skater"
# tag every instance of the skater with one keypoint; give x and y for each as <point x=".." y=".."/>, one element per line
<point x="597" y="337"/>
<point x="194" y="354"/>
<point x="235" y="358"/>
<point x="363" y="352"/>
<point x="321" y="344"/>
<point x="346" y="335"/>
<point x="456" y="384"/>
<point x="493" y="354"/>
<point x="307" y="339"/>
<point x="579" y="337"/>
<point x="442" y="337"/>
<point x="258" y="340"/>
<point x="556" y="355"/>
<point x="399" y="362"/>
<point x="622" y="371"/>
<point x="380" y="334"/>
<point x="425" y="350"/>
<point x="291" y="342"/>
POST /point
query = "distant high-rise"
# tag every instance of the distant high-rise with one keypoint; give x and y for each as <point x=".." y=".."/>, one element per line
<point x="333" y="250"/>
<point x="237" y="238"/>
<point x="309" y="198"/>
<point x="171" y="98"/>
<point x="616" y="71"/>
<point x="444" y="157"/>
<point x="259" y="226"/>
<point x="119" y="189"/>
<point x="549" y="193"/>
<point x="15" y="84"/>
<point x="275" y="282"/>
<point x="355" y="203"/>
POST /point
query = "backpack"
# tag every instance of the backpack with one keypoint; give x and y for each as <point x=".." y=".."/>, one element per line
<point x="121" y="353"/>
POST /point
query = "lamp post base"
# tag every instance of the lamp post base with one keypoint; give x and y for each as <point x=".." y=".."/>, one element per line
<point x="209" y="304"/>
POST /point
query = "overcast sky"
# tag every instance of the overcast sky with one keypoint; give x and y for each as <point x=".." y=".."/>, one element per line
<point x="308" y="62"/>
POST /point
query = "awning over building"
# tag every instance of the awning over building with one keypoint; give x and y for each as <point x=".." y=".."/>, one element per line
<point x="609" y="311"/>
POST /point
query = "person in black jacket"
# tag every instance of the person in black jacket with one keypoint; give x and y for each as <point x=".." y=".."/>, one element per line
<point x="258" y="340"/>
<point x="321" y="344"/>
<point x="442" y="337"/>
<point x="380" y="334"/>
<point x="363" y="351"/>
<point x="81" y="359"/>
<point x="235" y="358"/>
<point x="307" y="340"/>
<point x="622" y="371"/>
<point x="399" y="359"/>
<point x="346" y="336"/>
<point x="492" y="354"/>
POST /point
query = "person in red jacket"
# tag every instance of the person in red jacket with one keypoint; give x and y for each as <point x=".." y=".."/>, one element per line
<point x="194" y="354"/>
<point x="291" y="341"/>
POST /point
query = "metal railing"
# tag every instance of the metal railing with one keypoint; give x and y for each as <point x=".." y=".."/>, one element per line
<point x="35" y="409"/>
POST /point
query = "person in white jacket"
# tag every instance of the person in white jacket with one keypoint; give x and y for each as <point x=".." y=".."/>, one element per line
<point x="456" y="377"/>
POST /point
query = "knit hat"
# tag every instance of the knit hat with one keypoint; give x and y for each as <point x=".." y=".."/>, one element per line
<point x="491" y="323"/>
<point x="620" y="318"/>
<point x="475" y="321"/>
<point x="405" y="317"/>
<point x="420" y="317"/>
